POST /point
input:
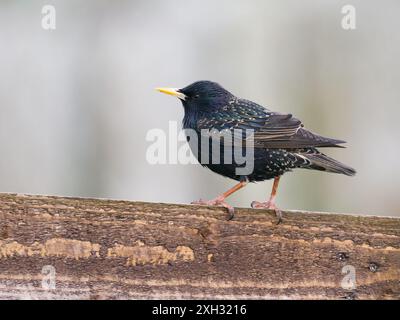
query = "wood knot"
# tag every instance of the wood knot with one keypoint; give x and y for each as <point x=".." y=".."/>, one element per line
<point x="373" y="267"/>
<point x="342" y="256"/>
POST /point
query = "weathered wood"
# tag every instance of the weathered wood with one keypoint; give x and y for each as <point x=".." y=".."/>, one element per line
<point x="104" y="249"/>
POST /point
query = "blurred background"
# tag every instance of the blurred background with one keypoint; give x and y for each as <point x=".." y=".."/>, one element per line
<point x="76" y="102"/>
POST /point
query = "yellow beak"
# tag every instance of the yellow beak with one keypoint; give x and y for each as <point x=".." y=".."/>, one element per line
<point x="172" y="92"/>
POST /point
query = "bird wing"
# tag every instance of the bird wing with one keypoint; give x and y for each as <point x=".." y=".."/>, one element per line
<point x="269" y="129"/>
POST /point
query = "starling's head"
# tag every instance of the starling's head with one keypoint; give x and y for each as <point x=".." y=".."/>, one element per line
<point x="201" y="96"/>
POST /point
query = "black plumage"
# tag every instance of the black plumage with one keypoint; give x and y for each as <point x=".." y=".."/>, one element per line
<point x="281" y="143"/>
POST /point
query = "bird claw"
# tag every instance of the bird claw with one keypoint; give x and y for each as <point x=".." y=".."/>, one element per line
<point x="270" y="206"/>
<point x="220" y="202"/>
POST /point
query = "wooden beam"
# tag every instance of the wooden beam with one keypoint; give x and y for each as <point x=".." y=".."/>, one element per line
<point x="107" y="249"/>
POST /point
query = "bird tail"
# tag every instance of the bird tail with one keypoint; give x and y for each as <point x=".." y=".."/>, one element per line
<point x="320" y="161"/>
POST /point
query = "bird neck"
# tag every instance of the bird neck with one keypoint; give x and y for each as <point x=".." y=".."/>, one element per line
<point x="190" y="118"/>
<point x="205" y="108"/>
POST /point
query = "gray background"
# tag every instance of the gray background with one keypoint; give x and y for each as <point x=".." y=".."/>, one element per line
<point x="76" y="103"/>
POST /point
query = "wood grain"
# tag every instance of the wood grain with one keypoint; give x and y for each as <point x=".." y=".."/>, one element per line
<point x="107" y="249"/>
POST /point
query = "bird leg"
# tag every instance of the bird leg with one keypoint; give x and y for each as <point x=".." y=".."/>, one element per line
<point x="220" y="200"/>
<point x="270" y="204"/>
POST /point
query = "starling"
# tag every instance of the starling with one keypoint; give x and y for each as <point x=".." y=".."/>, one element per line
<point x="280" y="141"/>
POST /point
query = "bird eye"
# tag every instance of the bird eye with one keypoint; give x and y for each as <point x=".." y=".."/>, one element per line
<point x="196" y="96"/>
